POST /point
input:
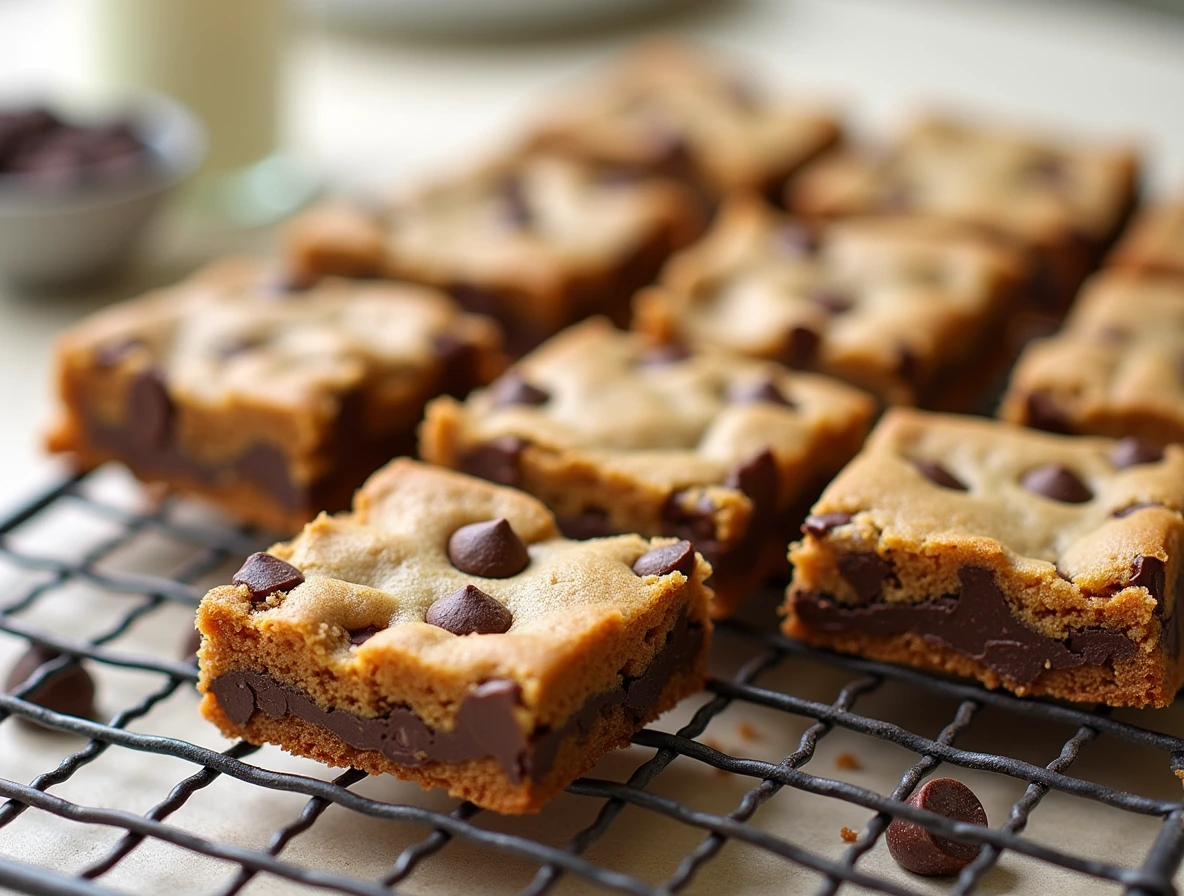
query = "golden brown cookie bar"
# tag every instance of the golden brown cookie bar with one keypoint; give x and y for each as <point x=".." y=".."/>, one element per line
<point x="273" y="403"/>
<point x="1115" y="369"/>
<point x="893" y="306"/>
<point x="617" y="435"/>
<point x="535" y="242"/>
<point x="444" y="632"/>
<point x="1066" y="201"/>
<point x="1154" y="242"/>
<point x="1041" y="563"/>
<point x="668" y="108"/>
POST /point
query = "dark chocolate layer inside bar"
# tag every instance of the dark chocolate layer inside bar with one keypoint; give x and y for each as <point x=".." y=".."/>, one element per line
<point x="485" y="724"/>
<point x="977" y="622"/>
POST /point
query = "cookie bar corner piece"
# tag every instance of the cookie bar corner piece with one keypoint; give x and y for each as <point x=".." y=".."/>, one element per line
<point x="1044" y="564"/>
<point x="444" y="632"/>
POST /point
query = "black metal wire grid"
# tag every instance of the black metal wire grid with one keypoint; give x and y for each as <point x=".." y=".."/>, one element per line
<point x="207" y="548"/>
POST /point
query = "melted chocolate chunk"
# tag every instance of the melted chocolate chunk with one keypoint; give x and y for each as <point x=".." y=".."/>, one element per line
<point x="920" y="851"/>
<point x="496" y="460"/>
<point x="1045" y="414"/>
<point x="69" y="691"/>
<point x="832" y="301"/>
<point x="865" y="572"/>
<point x="359" y="636"/>
<point x="662" y="561"/>
<point x="1056" y="482"/>
<point x="485" y="724"/>
<point x="756" y="391"/>
<point x="590" y="523"/>
<point x="977" y="623"/>
<point x="491" y="550"/>
<point x="758" y="479"/>
<point x="938" y="474"/>
<point x="264" y="574"/>
<point x="1133" y="451"/>
<point x="149" y="412"/>
<point x="1150" y="573"/>
<point x="470" y="611"/>
<point x="512" y="389"/>
<point x="459" y="363"/>
<point x="801" y="347"/>
<point x="820" y="524"/>
<point x="695" y="522"/>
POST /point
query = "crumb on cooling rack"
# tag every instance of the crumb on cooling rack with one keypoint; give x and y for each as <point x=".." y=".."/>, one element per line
<point x="848" y="835"/>
<point x="848" y="761"/>
<point x="747" y="731"/>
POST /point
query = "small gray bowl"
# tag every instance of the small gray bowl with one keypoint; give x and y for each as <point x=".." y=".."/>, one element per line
<point x="56" y="237"/>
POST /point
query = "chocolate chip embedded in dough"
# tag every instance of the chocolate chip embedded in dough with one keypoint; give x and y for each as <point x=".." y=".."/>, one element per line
<point x="662" y="561"/>
<point x="864" y="572"/>
<point x="359" y="636"/>
<point x="1044" y="413"/>
<point x="820" y="524"/>
<point x="801" y="347"/>
<point x="1133" y="451"/>
<point x="1056" y="482"/>
<point x="758" y="478"/>
<point x="495" y="460"/>
<point x="1149" y="573"/>
<point x="264" y="574"/>
<point x="936" y="473"/>
<point x="757" y="391"/>
<point x="513" y="389"/>
<point x="149" y="411"/>
<point x="469" y="611"/>
<point x="922" y="852"/>
<point x="70" y="690"/>
<point x="489" y="549"/>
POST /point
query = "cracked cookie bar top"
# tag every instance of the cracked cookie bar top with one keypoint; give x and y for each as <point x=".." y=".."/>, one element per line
<point x="618" y="434"/>
<point x="272" y="402"/>
<point x="444" y="632"/>
<point x="1041" y="563"/>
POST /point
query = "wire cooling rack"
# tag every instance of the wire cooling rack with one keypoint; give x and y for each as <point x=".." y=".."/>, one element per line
<point x="70" y="547"/>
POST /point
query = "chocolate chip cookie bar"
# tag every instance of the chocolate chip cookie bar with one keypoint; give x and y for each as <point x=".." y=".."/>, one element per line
<point x="536" y="242"/>
<point x="274" y="404"/>
<point x="668" y="108"/>
<point x="1064" y="201"/>
<point x="1041" y="563"/>
<point x="617" y="434"/>
<point x="444" y="632"/>
<point x="1154" y="242"/>
<point x="894" y="306"/>
<point x="1115" y="369"/>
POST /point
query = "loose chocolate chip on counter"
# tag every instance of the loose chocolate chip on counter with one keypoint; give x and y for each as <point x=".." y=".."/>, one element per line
<point x="922" y="852"/>
<point x="359" y="636"/>
<point x="939" y="475"/>
<point x="490" y="549"/>
<point x="801" y="347"/>
<point x="469" y="611"/>
<point x="756" y="391"/>
<point x="70" y="690"/>
<point x="662" y="561"/>
<point x="1133" y="451"/>
<point x="661" y="355"/>
<point x="495" y="460"/>
<point x="1056" y="482"/>
<point x="832" y="301"/>
<point x="820" y="524"/>
<point x="264" y="574"/>
<point x="864" y="572"/>
<point x="1045" y="414"/>
<point x="1150" y="573"/>
<point x="1132" y="508"/>
<point x="512" y="389"/>
<point x="149" y="411"/>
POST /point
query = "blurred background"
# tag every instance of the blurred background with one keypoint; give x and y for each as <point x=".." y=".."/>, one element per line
<point x="250" y="108"/>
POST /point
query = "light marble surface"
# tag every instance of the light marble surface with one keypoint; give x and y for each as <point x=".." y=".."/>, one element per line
<point x="369" y="110"/>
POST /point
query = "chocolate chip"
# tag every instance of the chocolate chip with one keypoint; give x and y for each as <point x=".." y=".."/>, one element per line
<point x="476" y="299"/>
<point x="662" y="561"/>
<point x="1056" y="482"/>
<point x="865" y="572"/>
<point x="589" y="523"/>
<point x="661" y="355"/>
<point x="795" y="240"/>
<point x="512" y="389"/>
<point x="832" y="301"/>
<point x="922" y="852"/>
<point x="938" y="474"/>
<point x="757" y="478"/>
<point x="149" y="411"/>
<point x="266" y="466"/>
<point x="1132" y="508"/>
<point x="495" y="460"/>
<point x="460" y="361"/>
<point x="469" y="611"/>
<point x="111" y="353"/>
<point x="801" y="347"/>
<point x="1133" y="451"/>
<point x="696" y="521"/>
<point x="1150" y="573"/>
<point x="359" y="636"/>
<point x="70" y="690"/>
<point x="756" y="391"/>
<point x="820" y="524"/>
<point x="264" y="574"/>
<point x="1044" y="413"/>
<point x="491" y="550"/>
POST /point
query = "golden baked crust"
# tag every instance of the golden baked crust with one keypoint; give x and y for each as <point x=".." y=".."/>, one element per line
<point x="1154" y="242"/>
<point x="583" y="625"/>
<point x="892" y="306"/>
<point x="625" y="440"/>
<point x="1081" y="537"/>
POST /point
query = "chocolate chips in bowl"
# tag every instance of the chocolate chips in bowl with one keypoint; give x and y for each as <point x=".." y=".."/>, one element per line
<point x="77" y="188"/>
